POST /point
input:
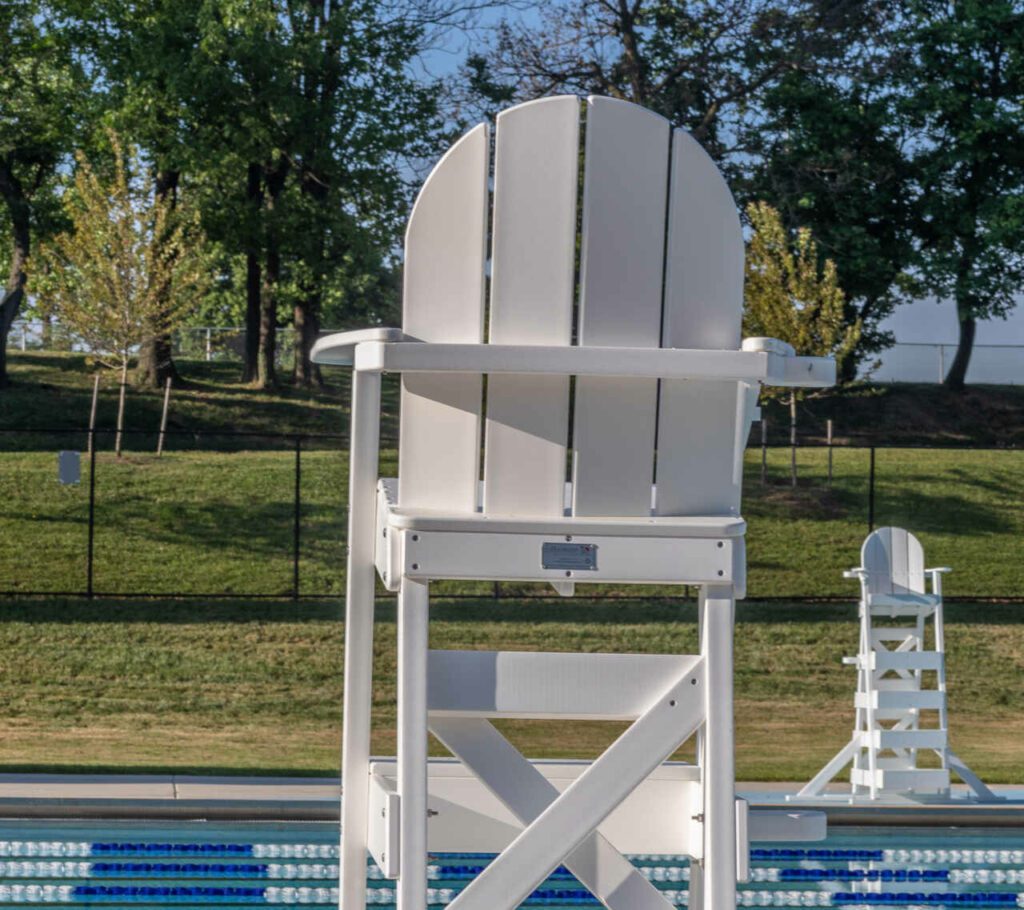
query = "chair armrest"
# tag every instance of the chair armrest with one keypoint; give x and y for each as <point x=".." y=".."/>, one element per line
<point x="941" y="570"/>
<point x="339" y="348"/>
<point x="765" y="366"/>
<point x="854" y="573"/>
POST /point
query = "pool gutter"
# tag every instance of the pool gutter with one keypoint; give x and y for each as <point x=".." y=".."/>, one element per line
<point x="178" y="797"/>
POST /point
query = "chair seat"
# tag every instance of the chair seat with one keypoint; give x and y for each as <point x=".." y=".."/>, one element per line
<point x="897" y="604"/>
<point x="703" y="526"/>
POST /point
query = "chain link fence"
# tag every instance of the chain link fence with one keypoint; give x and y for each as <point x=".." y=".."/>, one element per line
<point x="247" y="516"/>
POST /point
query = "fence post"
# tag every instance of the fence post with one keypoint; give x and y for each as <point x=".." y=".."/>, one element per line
<point x="871" y="492"/>
<point x="163" y="418"/>
<point x="297" y="518"/>
<point x="792" y="437"/>
<point x="92" y="512"/>
<point x="209" y="352"/>
<point x="828" y="436"/>
<point x="92" y="411"/>
<point x="764" y="449"/>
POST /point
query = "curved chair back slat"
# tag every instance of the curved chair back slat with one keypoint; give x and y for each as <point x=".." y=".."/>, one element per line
<point x="625" y="182"/>
<point x="893" y="560"/>
<point x="532" y="277"/>
<point x="443" y="301"/>
<point x="701" y="423"/>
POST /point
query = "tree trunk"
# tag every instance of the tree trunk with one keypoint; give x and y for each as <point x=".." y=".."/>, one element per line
<point x="307" y="327"/>
<point x="254" y="197"/>
<point x="955" y="378"/>
<point x="156" y="362"/>
<point x="14" y="290"/>
<point x="266" y="372"/>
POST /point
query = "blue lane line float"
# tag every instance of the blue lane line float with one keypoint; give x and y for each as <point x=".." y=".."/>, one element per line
<point x="795" y="854"/>
<point x="957" y="899"/>
<point x="124" y="849"/>
<point x="863" y="875"/>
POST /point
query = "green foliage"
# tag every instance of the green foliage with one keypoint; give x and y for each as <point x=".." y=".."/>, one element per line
<point x="43" y="99"/>
<point x="830" y="156"/>
<point x="127" y="253"/>
<point x="789" y="295"/>
<point x="961" y="86"/>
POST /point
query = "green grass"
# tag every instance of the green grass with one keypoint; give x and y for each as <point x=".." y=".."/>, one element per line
<point x="223" y="522"/>
<point x="256" y="687"/>
<point x="54" y="391"/>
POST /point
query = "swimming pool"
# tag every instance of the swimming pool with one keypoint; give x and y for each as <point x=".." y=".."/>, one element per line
<point x="261" y="864"/>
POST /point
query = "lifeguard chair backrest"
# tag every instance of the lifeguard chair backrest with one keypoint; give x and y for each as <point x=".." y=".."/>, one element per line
<point x="660" y="264"/>
<point x="894" y="562"/>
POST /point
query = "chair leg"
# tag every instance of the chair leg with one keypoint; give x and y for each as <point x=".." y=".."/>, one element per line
<point x="413" y="618"/>
<point x="717" y="608"/>
<point x="359" y="601"/>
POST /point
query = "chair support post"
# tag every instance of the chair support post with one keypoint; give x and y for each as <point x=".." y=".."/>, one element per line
<point x="359" y="601"/>
<point x="413" y="621"/>
<point x="717" y="608"/>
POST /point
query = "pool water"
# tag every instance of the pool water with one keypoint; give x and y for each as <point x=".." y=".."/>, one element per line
<point x="260" y="864"/>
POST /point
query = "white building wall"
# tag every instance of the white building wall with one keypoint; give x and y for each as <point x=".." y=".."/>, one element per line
<point x="926" y="339"/>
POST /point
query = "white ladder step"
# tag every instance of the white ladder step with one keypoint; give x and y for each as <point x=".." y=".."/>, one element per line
<point x="903" y="700"/>
<point x="906" y="739"/>
<point x="892" y="633"/>
<point x="918" y="779"/>
<point x="898" y="684"/>
<point x="904" y="660"/>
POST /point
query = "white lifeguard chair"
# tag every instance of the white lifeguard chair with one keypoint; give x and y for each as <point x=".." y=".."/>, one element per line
<point x="900" y="704"/>
<point x="652" y="337"/>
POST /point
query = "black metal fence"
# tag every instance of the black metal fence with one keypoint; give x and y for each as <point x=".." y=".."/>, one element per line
<point x="259" y="515"/>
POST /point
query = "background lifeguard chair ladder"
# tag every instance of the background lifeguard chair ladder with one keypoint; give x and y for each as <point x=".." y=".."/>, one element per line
<point x="656" y="353"/>
<point x="901" y="672"/>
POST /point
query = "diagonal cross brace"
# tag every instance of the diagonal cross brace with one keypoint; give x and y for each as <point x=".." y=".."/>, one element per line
<point x="567" y="822"/>
<point x="605" y="872"/>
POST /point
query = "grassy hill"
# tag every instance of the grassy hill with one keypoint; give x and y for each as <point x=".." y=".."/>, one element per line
<point x="216" y="513"/>
<point x="255" y="685"/>
<point x="53" y="390"/>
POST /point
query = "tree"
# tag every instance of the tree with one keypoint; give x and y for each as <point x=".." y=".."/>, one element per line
<point x="789" y="294"/>
<point x="704" y="66"/>
<point x="961" y="87"/>
<point x="313" y="111"/>
<point x="41" y="88"/>
<point x="831" y="157"/>
<point x="129" y="252"/>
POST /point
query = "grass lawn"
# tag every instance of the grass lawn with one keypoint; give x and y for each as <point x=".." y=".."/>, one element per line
<point x="199" y="522"/>
<point x="257" y="686"/>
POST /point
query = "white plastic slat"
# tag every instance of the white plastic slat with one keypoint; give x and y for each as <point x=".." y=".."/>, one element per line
<point x="534" y="225"/>
<point x="625" y="181"/>
<point x="698" y="427"/>
<point x="445" y="248"/>
<point x="552" y="684"/>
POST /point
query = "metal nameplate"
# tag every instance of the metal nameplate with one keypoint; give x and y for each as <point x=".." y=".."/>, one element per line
<point x="582" y="556"/>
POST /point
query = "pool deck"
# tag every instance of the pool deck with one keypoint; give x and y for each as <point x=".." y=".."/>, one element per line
<point x="116" y="796"/>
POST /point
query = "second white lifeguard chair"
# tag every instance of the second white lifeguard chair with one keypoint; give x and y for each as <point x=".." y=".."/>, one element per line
<point x="650" y="328"/>
<point x="900" y="703"/>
